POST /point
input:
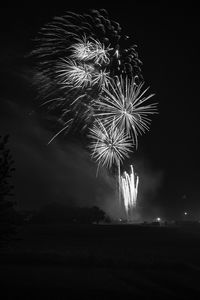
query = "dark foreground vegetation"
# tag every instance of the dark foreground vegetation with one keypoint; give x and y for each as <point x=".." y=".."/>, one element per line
<point x="101" y="262"/>
<point x="8" y="214"/>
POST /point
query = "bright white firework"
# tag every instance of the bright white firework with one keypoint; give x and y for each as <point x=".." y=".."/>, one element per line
<point x="97" y="49"/>
<point x="125" y="102"/>
<point x="129" y="190"/>
<point x="82" y="50"/>
<point x="85" y="50"/>
<point x="80" y="74"/>
<point x="73" y="74"/>
<point x="109" y="145"/>
<point x="101" y="78"/>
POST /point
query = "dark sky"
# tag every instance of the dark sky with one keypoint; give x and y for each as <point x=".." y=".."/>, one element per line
<point x="167" y="159"/>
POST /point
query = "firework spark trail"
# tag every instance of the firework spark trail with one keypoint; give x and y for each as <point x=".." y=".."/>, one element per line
<point x="129" y="190"/>
<point x="125" y="102"/>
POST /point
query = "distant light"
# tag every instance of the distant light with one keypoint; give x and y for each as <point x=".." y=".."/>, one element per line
<point x="158" y="219"/>
<point x="185" y="213"/>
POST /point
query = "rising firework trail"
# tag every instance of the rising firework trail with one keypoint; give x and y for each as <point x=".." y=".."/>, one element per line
<point x="129" y="190"/>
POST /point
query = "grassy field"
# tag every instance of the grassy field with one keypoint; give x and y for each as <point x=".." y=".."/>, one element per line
<point x="102" y="262"/>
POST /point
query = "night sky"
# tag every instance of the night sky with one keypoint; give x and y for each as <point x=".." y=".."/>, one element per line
<point x="167" y="159"/>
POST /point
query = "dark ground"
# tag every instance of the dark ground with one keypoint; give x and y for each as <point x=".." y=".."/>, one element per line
<point x="102" y="262"/>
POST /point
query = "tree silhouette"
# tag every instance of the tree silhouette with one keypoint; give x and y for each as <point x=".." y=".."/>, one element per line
<point x="97" y="215"/>
<point x="7" y="211"/>
<point x="57" y="213"/>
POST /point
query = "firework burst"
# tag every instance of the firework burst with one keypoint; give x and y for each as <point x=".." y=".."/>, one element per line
<point x="76" y="55"/>
<point x="90" y="36"/>
<point x="73" y="75"/>
<point x="109" y="145"/>
<point x="125" y="102"/>
<point x="90" y="50"/>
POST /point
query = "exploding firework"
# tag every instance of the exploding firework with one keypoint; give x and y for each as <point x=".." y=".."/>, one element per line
<point x="109" y="145"/>
<point x="125" y="102"/>
<point x="71" y="74"/>
<point x="89" y="36"/>
<point x="90" y="50"/>
<point x="89" y="73"/>
<point x="129" y="190"/>
<point x="76" y="55"/>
